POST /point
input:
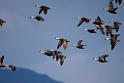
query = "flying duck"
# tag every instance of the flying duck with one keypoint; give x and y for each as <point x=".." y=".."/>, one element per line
<point x="90" y="30"/>
<point x="116" y="25"/>
<point x="111" y="9"/>
<point x="108" y="29"/>
<point x="79" y="45"/>
<point x="6" y="65"/>
<point x="2" y="21"/>
<point x="101" y="59"/>
<point x="62" y="41"/>
<point x="82" y="19"/>
<point x="47" y="53"/>
<point x="39" y="18"/>
<point x="12" y="67"/>
<point x="118" y="1"/>
<point x="113" y="40"/>
<point x="43" y="8"/>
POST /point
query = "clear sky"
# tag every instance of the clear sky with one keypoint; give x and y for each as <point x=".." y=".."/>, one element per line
<point x="21" y="38"/>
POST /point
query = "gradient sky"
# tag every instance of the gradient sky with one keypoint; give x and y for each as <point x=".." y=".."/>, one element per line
<point x="21" y="38"/>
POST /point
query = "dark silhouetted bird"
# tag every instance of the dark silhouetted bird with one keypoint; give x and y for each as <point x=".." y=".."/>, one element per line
<point x="111" y="9"/>
<point x="43" y="8"/>
<point x="101" y="59"/>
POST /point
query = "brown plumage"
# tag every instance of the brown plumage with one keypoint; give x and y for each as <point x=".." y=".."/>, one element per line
<point x="113" y="40"/>
<point x="101" y="59"/>
<point x="79" y="45"/>
<point x="99" y="26"/>
<point x="1" y="60"/>
<point x="56" y="54"/>
<point x="108" y="29"/>
<point x="116" y="25"/>
<point x="62" y="41"/>
<point x="98" y="21"/>
<point x="39" y="18"/>
<point x="43" y="8"/>
<point x="83" y="19"/>
<point x="111" y="9"/>
<point x="6" y="65"/>
<point x="62" y="57"/>
<point x="12" y="67"/>
<point x="1" y="22"/>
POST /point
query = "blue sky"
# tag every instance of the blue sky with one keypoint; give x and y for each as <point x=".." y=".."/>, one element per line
<point x="22" y="38"/>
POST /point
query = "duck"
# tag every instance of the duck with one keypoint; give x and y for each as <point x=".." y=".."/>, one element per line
<point x="82" y="19"/>
<point x="62" y="41"/>
<point x="116" y="25"/>
<point x="118" y="1"/>
<point x="90" y="30"/>
<point x="101" y="58"/>
<point x="79" y="45"/>
<point x="113" y="40"/>
<point x="39" y="18"/>
<point x="1" y="22"/>
<point x="47" y="53"/>
<point x="108" y="29"/>
<point x="111" y="9"/>
<point x="6" y="65"/>
<point x="12" y="67"/>
<point x="43" y="8"/>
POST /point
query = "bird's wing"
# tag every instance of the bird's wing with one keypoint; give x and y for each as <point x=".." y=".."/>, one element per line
<point x="80" y="22"/>
<point x="103" y="56"/>
<point x="110" y="5"/>
<point x="120" y="1"/>
<point x="116" y="26"/>
<point x="45" y="11"/>
<point x="87" y="20"/>
<point x="101" y="29"/>
<point x="1" y="60"/>
<point x="40" y="10"/>
<point x="59" y="44"/>
<point x="114" y="36"/>
<point x="79" y="42"/>
<point x="65" y="44"/>
<point x="61" y="61"/>
<point x="113" y="44"/>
